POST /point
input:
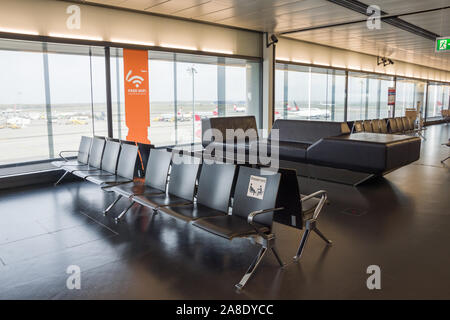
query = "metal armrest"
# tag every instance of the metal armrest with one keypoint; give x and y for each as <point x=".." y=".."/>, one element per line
<point x="323" y="199"/>
<point x="258" y="212"/>
<point x="61" y="156"/>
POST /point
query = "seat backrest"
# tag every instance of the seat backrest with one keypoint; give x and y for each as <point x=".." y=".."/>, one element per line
<point x="183" y="176"/>
<point x="223" y="123"/>
<point x="83" y="150"/>
<point x="255" y="191"/>
<point x="367" y="126"/>
<point x="358" y="126"/>
<point x="96" y="154"/>
<point x="393" y="125"/>
<point x="308" y="132"/>
<point x="158" y="165"/>
<point x="110" y="156"/>
<point x="127" y="161"/>
<point x="375" y="126"/>
<point x="214" y="185"/>
<point x="405" y="123"/>
<point x="399" y="124"/>
<point x="383" y="126"/>
<point x="289" y="199"/>
<point x="411" y="123"/>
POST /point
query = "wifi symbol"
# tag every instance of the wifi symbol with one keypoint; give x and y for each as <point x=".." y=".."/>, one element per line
<point x="136" y="80"/>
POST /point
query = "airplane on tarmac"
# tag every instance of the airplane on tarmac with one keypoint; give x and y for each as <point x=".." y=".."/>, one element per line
<point x="307" y="113"/>
<point x="239" y="109"/>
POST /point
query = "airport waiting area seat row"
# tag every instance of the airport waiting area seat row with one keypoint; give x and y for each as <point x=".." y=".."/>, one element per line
<point x="223" y="199"/>
<point x="397" y="125"/>
<point x="101" y="161"/>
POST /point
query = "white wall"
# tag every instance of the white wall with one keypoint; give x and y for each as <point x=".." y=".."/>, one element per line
<point x="48" y="17"/>
<point x="305" y="52"/>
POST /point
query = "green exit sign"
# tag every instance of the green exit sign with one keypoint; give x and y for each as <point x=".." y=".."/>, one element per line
<point x="442" y="44"/>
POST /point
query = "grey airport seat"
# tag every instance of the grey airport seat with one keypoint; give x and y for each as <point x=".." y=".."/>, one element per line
<point x="181" y="191"/>
<point x="95" y="157"/>
<point x="376" y="128"/>
<point x="213" y="194"/>
<point x="383" y="126"/>
<point x="367" y="126"/>
<point x="405" y="123"/>
<point x="357" y="127"/>
<point x="155" y="182"/>
<point x="125" y="168"/>
<point x="82" y="154"/>
<point x="94" y="162"/>
<point x="412" y="125"/>
<point x="252" y="215"/>
<point x="399" y="124"/>
<point x="107" y="165"/>
<point x="393" y="126"/>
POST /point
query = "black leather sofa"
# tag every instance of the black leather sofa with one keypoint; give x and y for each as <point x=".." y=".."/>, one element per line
<point x="322" y="143"/>
<point x="331" y="144"/>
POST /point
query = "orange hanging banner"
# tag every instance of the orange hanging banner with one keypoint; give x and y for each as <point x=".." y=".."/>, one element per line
<point x="137" y="104"/>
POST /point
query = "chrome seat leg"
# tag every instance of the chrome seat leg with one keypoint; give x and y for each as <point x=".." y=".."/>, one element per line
<point x="275" y="253"/>
<point x="311" y="225"/>
<point x="302" y="244"/>
<point x="320" y="234"/>
<point x="252" y="268"/>
<point x="123" y="213"/>
<point x="105" y="212"/>
<point x="60" y="179"/>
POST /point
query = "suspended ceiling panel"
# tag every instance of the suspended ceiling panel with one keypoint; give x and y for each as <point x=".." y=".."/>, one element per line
<point x="260" y="15"/>
<point x="282" y="15"/>
<point x="403" y="6"/>
<point x="388" y="41"/>
<point x="437" y="22"/>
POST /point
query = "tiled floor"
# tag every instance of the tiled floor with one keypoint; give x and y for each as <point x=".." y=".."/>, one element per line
<point x="400" y="223"/>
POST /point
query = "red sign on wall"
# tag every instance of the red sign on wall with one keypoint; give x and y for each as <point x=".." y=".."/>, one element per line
<point x="391" y="96"/>
<point x="137" y="105"/>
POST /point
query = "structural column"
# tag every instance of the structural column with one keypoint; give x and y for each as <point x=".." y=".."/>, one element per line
<point x="221" y="89"/>
<point x="48" y="103"/>
<point x="108" y="92"/>
<point x="268" y="85"/>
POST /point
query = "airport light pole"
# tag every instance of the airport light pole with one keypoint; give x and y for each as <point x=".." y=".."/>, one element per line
<point x="193" y="71"/>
